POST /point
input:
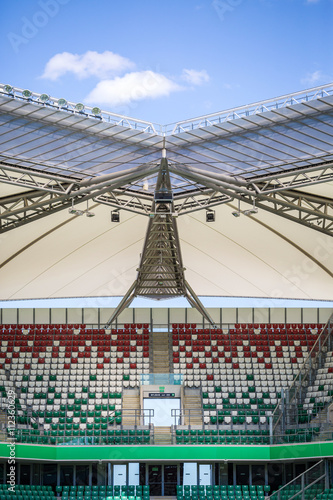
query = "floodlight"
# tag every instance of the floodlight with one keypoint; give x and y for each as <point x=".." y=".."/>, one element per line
<point x="236" y="214"/>
<point x="62" y="102"/>
<point x="115" y="216"/>
<point x="251" y="211"/>
<point x="27" y="93"/>
<point x="8" y="88"/>
<point x="163" y="208"/>
<point x="210" y="216"/>
<point x="96" y="111"/>
<point x="90" y="214"/>
<point x="44" y="98"/>
<point x="73" y="211"/>
<point x="79" y="106"/>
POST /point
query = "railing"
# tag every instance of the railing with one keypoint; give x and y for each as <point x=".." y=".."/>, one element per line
<point x="153" y="326"/>
<point x="79" y="109"/>
<point x="248" y="110"/>
<point x="172" y="128"/>
<point x="305" y="375"/>
<point x="189" y="413"/>
<point x="313" y="480"/>
<point x="132" y="417"/>
<point x="161" y="379"/>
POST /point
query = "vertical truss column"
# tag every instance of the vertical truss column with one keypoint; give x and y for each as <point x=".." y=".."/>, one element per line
<point x="161" y="272"/>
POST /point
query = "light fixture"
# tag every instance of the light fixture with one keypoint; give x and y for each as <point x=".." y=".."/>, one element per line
<point x="9" y="89"/>
<point x="79" y="106"/>
<point x="62" y="102"/>
<point x="74" y="211"/>
<point x="96" y="111"/>
<point x="210" y="216"/>
<point x="88" y="213"/>
<point x="115" y="216"/>
<point x="251" y="211"/>
<point x="238" y="212"/>
<point x="44" y="98"/>
<point x="27" y="93"/>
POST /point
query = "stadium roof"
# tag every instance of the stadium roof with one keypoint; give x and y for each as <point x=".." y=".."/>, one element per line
<point x="265" y="169"/>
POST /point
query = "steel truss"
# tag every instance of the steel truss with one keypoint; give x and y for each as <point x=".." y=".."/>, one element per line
<point x="161" y="272"/>
<point x="202" y="199"/>
<point x="53" y="193"/>
<point x="315" y="212"/>
<point x="49" y="193"/>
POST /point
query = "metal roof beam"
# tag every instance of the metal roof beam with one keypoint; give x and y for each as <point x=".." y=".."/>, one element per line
<point x="293" y="205"/>
<point x="34" y="207"/>
<point x="294" y="179"/>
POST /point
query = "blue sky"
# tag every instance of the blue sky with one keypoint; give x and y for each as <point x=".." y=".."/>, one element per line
<point x="166" y="61"/>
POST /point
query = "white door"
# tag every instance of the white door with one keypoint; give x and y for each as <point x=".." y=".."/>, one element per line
<point x="162" y="410"/>
<point x="119" y="474"/>
<point x="133" y="474"/>
<point x="190" y="473"/>
<point x="205" y="474"/>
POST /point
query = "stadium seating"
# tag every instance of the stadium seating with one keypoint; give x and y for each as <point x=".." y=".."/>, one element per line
<point x="129" y="492"/>
<point x="243" y="370"/>
<point x="27" y="492"/>
<point x="69" y="380"/>
<point x="311" y="493"/>
<point x="224" y="492"/>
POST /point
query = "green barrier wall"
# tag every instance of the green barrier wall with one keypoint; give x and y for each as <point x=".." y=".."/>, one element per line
<point x="168" y="453"/>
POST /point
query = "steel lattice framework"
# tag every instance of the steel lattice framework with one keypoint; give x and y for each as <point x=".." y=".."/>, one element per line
<point x="274" y="156"/>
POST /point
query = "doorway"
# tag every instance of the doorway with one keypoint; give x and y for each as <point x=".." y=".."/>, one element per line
<point x="155" y="480"/>
<point x="162" y="410"/>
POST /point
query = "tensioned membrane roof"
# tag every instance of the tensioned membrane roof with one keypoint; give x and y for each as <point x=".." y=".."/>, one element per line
<point x="264" y="169"/>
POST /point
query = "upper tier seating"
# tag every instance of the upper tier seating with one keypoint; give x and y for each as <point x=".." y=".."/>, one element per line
<point x="71" y="377"/>
<point x="241" y="371"/>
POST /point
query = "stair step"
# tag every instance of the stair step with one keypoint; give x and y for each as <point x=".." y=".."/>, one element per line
<point x="160" y="362"/>
<point x="130" y="402"/>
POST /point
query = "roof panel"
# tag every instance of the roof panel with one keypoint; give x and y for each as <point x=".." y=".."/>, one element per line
<point x="68" y="255"/>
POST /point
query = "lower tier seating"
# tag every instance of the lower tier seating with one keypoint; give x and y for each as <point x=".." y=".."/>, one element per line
<point x="313" y="492"/>
<point x="129" y="492"/>
<point x="224" y="492"/>
<point x="27" y="492"/>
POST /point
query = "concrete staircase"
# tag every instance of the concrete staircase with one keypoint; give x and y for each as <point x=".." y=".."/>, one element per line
<point x="3" y="420"/>
<point x="160" y="357"/>
<point x="192" y="401"/>
<point x="130" y="401"/>
<point x="162" y="436"/>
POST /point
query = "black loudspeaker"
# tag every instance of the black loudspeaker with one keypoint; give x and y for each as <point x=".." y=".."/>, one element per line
<point x="210" y="216"/>
<point x="115" y="216"/>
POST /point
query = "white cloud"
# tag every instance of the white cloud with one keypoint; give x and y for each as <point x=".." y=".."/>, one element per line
<point x="132" y="87"/>
<point x="314" y="78"/>
<point x="101" y="65"/>
<point x="195" y="77"/>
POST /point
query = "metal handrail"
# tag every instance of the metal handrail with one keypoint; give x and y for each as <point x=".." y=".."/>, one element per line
<point x="176" y="127"/>
<point x="249" y="109"/>
<point x="310" y="359"/>
<point x="277" y="494"/>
